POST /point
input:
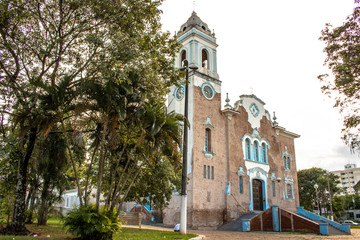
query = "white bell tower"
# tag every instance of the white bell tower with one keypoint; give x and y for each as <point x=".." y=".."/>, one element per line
<point x="198" y="49"/>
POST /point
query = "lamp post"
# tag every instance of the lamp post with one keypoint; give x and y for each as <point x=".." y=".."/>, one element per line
<point x="279" y="180"/>
<point x="317" y="199"/>
<point x="331" y="209"/>
<point x="183" y="209"/>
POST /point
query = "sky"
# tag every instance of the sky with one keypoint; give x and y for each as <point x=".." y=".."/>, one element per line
<point x="272" y="49"/>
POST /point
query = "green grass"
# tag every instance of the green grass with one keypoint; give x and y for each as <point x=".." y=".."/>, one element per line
<point x="138" y="234"/>
<point x="55" y="230"/>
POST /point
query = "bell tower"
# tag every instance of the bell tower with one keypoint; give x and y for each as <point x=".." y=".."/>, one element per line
<point x="198" y="49"/>
<point x="205" y="152"/>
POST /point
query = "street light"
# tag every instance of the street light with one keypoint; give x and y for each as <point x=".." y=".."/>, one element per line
<point x="317" y="199"/>
<point x="184" y="170"/>
<point x="279" y="180"/>
<point x="331" y="209"/>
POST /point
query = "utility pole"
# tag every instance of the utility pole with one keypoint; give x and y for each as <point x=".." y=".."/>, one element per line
<point x="331" y="209"/>
<point x="183" y="209"/>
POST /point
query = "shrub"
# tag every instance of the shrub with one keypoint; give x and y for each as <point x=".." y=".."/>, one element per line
<point x="87" y="224"/>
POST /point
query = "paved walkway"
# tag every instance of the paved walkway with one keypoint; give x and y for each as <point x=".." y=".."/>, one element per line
<point x="225" y="235"/>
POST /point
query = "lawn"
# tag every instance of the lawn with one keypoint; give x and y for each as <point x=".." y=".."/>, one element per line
<point x="135" y="233"/>
<point x="55" y="231"/>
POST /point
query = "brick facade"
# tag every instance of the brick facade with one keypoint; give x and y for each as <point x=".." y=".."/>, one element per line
<point x="214" y="195"/>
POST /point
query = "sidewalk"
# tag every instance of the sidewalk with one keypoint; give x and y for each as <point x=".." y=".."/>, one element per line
<point x="225" y="235"/>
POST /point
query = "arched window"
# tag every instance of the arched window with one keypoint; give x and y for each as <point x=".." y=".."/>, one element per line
<point x="264" y="157"/>
<point x="288" y="191"/>
<point x="207" y="140"/>
<point x="241" y="184"/>
<point x="273" y="188"/>
<point x="248" y="149"/>
<point x="288" y="162"/>
<point x="184" y="61"/>
<point x="256" y="151"/>
<point x="204" y="59"/>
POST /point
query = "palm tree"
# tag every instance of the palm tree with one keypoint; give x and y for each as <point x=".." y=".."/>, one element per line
<point x="159" y="136"/>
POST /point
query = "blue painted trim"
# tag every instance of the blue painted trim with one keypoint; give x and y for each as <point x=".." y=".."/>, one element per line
<point x="184" y="48"/>
<point x="191" y="61"/>
<point x="264" y="191"/>
<point x="257" y="169"/>
<point x="253" y="138"/>
<point x="241" y="184"/>
<point x="214" y="61"/>
<point x="212" y="88"/>
<point x="184" y="36"/>
<point x="227" y="190"/>
<point x="206" y="37"/>
<point x="273" y="176"/>
<point x="324" y="229"/>
<point x="209" y="57"/>
<point x="241" y="171"/>
<point x="177" y="89"/>
<point x="256" y="151"/>
<point x="289" y="180"/>
<point x="254" y="109"/>
<point x="208" y="122"/>
<point x="286" y="154"/>
<point x="312" y="216"/>
<point x="264" y="153"/>
<point x="198" y="33"/>
<point x="196" y="52"/>
<point x="245" y="225"/>
<point x="251" y="205"/>
<point x="275" y="218"/>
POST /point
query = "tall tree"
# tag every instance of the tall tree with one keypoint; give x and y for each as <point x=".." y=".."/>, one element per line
<point x="307" y="193"/>
<point x="49" y="50"/>
<point x="343" y="59"/>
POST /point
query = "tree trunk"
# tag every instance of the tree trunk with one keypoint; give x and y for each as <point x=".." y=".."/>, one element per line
<point x="128" y="189"/>
<point x="18" y="221"/>
<point x="88" y="176"/>
<point x="73" y="163"/>
<point x="101" y="166"/>
<point x="112" y="181"/>
<point x="43" y="206"/>
<point x="28" y="197"/>
<point x="118" y="192"/>
<point x="31" y="208"/>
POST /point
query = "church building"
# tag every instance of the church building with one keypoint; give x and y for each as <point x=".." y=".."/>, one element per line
<point x="239" y="159"/>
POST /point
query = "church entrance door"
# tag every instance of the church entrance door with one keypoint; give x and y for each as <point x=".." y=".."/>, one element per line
<point x="257" y="194"/>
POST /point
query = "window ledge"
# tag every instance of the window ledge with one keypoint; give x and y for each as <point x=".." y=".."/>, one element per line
<point x="208" y="154"/>
<point x="256" y="162"/>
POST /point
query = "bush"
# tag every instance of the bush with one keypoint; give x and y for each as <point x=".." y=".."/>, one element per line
<point x="86" y="223"/>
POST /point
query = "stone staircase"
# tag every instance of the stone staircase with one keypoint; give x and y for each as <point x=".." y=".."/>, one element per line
<point x="281" y="220"/>
<point x="236" y="225"/>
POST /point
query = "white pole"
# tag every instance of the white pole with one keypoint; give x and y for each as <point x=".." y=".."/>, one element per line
<point x="183" y="214"/>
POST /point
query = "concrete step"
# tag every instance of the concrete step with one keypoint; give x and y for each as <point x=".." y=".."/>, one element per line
<point x="332" y="230"/>
<point x="236" y="224"/>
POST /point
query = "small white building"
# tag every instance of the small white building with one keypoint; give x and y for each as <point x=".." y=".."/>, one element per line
<point x="70" y="200"/>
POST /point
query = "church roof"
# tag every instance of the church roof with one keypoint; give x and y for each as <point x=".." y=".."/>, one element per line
<point x="195" y="22"/>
